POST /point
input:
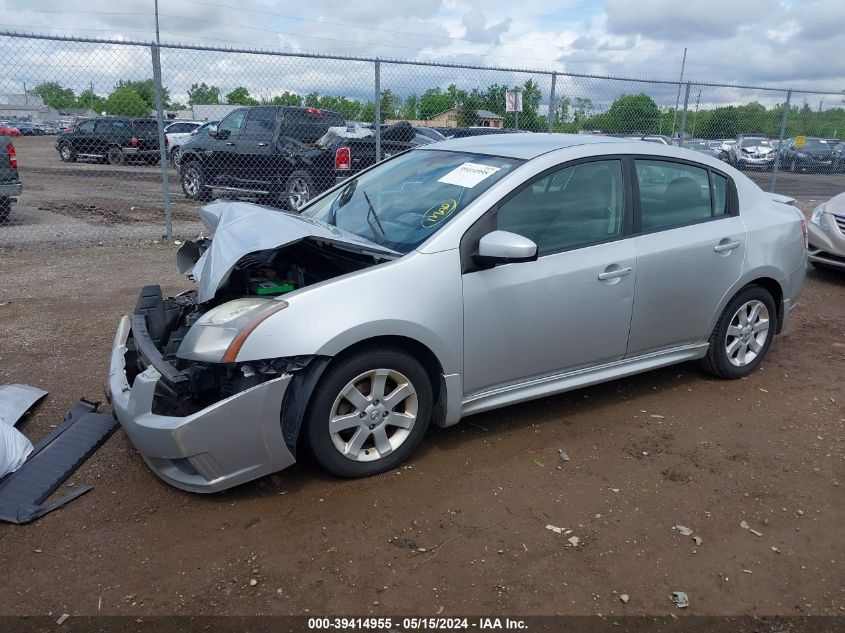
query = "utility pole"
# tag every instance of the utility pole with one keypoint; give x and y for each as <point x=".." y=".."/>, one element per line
<point x="695" y="118"/>
<point x="678" y="96"/>
<point x="158" y="40"/>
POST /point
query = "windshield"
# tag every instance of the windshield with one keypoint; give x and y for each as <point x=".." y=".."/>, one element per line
<point x="406" y="200"/>
<point x="814" y="144"/>
<point x="755" y="142"/>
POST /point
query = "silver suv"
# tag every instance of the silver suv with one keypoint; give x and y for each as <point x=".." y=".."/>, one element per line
<point x="452" y="279"/>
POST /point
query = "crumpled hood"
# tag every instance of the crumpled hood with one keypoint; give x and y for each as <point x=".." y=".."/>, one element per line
<point x="759" y="149"/>
<point x="241" y="228"/>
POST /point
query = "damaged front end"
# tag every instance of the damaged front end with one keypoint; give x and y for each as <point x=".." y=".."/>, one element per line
<point x="203" y="420"/>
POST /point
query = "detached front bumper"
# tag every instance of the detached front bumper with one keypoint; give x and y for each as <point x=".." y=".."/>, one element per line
<point x="228" y="443"/>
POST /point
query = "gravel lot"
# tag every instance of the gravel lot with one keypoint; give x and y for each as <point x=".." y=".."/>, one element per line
<point x="462" y="528"/>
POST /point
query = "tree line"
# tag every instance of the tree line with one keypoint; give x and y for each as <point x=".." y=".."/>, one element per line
<point x="628" y="114"/>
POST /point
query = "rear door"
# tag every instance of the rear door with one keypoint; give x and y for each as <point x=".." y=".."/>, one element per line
<point x="257" y="159"/>
<point x="145" y="131"/>
<point x="690" y="251"/>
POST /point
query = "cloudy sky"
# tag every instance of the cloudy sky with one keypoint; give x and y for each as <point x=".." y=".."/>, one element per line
<point x="763" y="42"/>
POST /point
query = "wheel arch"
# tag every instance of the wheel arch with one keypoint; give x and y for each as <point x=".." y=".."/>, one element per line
<point x="295" y="406"/>
<point x="763" y="279"/>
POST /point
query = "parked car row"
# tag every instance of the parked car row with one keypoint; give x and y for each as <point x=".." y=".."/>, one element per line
<point x="28" y="128"/>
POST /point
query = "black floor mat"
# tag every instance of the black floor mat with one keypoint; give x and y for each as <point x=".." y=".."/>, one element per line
<point x="53" y="460"/>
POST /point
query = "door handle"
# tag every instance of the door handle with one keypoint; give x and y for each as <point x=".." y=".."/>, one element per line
<point x="728" y="246"/>
<point x="614" y="274"/>
<point x="262" y="145"/>
<point x="230" y="143"/>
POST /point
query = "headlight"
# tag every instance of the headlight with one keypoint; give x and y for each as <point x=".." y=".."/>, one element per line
<point x="219" y="334"/>
<point x="819" y="218"/>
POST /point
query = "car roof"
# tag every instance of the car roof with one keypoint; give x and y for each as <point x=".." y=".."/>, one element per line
<point x="523" y="146"/>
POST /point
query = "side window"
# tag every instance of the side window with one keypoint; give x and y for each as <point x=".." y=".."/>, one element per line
<point x="672" y="193"/>
<point x="103" y="127"/>
<point x="260" y="122"/>
<point x="570" y="207"/>
<point x="232" y="123"/>
<point x="87" y="127"/>
<point x="720" y="194"/>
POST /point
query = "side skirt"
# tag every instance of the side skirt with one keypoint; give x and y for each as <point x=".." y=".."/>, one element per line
<point x="559" y="383"/>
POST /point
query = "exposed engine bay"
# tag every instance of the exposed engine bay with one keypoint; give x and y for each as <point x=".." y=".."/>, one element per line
<point x="160" y="325"/>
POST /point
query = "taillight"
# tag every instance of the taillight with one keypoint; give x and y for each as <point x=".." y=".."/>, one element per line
<point x="313" y="111"/>
<point x="134" y="142"/>
<point x="13" y="158"/>
<point x="342" y="159"/>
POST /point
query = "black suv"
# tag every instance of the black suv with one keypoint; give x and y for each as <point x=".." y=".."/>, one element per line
<point x="262" y="151"/>
<point x="111" y="139"/>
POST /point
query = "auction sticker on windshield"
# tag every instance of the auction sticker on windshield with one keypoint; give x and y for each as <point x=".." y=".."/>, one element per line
<point x="468" y="175"/>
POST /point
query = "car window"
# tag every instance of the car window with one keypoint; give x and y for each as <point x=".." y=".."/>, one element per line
<point x="103" y="127"/>
<point x="87" y="127"/>
<point x="232" y="123"/>
<point x="577" y="205"/>
<point x="672" y="193"/>
<point x="146" y="128"/>
<point x="720" y="194"/>
<point x="260" y="121"/>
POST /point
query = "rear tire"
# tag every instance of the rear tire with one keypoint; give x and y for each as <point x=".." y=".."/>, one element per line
<point x="66" y="153"/>
<point x="115" y="156"/>
<point x="369" y="412"/>
<point x="5" y="209"/>
<point x="742" y="335"/>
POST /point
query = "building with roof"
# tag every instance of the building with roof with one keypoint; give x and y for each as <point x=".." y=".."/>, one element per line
<point x="449" y="118"/>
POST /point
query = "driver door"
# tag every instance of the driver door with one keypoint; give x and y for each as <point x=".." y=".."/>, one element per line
<point x="569" y="309"/>
<point x="220" y="149"/>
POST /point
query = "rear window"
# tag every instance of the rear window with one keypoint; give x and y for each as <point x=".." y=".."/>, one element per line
<point x="146" y="128"/>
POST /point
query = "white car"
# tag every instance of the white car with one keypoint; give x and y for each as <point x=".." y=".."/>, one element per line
<point x="177" y="133"/>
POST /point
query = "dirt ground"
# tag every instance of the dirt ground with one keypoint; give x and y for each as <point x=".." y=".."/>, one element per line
<point x="462" y="529"/>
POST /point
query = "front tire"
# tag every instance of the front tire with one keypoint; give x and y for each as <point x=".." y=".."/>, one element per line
<point x="743" y="334"/>
<point x="299" y="189"/>
<point x="192" y="177"/>
<point x="66" y="153"/>
<point x="369" y="412"/>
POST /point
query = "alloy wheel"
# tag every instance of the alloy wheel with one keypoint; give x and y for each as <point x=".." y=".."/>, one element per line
<point x="747" y="333"/>
<point x="191" y="182"/>
<point x="298" y="193"/>
<point x="373" y="415"/>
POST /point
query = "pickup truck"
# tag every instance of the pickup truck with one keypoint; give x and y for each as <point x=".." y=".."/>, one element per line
<point x="10" y="183"/>
<point x="262" y="152"/>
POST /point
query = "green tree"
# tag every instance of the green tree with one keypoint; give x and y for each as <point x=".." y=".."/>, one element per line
<point x="55" y="95"/>
<point x="368" y="112"/>
<point x="630" y="114"/>
<point x="240" y="96"/>
<point x="146" y="90"/>
<point x="433" y="102"/>
<point x="389" y="104"/>
<point x="312" y="100"/>
<point x="203" y="94"/>
<point x="125" y="101"/>
<point x="410" y="107"/>
<point x="90" y="100"/>
<point x="287" y="98"/>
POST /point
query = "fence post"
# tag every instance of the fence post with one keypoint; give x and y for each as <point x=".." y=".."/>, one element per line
<point x="378" y="110"/>
<point x="550" y="116"/>
<point x="683" y="131"/>
<point x="780" y="141"/>
<point x="162" y="150"/>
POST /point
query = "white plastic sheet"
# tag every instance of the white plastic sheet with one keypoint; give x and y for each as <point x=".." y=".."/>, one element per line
<point x="14" y="449"/>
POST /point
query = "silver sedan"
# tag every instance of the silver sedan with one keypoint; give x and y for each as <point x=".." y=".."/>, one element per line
<point x="456" y="278"/>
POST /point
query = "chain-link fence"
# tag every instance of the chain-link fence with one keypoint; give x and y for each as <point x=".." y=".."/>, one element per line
<point x="133" y="136"/>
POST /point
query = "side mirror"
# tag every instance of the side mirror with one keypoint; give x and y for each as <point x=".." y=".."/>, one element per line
<point x="504" y="247"/>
